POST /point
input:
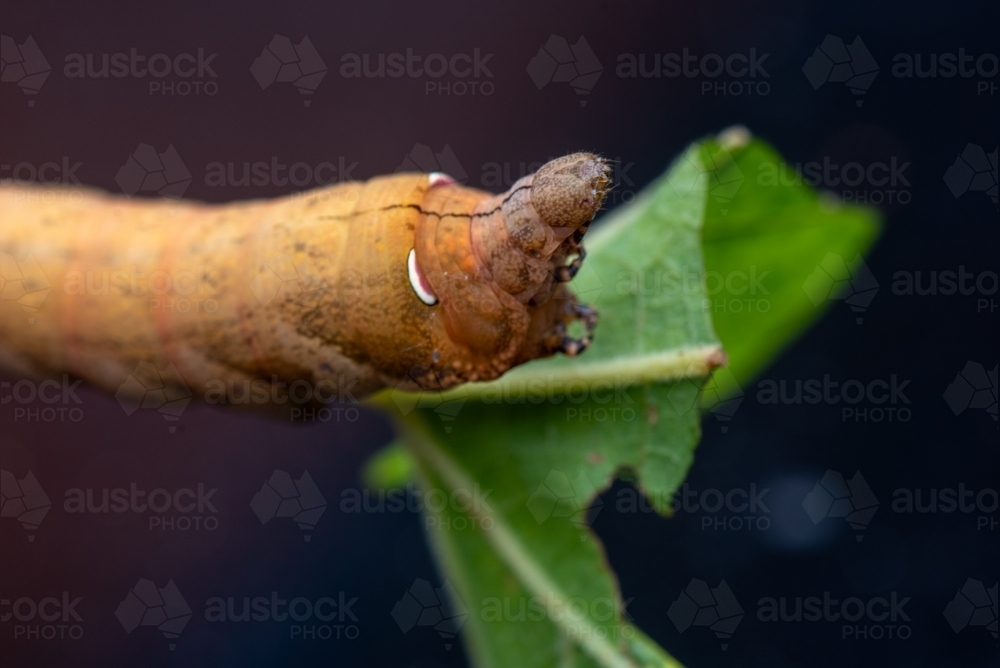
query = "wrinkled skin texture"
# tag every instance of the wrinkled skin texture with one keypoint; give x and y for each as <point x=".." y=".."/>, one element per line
<point x="312" y="287"/>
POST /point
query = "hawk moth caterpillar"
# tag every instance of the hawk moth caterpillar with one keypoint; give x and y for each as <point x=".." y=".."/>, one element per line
<point x="408" y="280"/>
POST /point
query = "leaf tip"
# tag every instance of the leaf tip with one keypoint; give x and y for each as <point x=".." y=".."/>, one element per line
<point x="734" y="137"/>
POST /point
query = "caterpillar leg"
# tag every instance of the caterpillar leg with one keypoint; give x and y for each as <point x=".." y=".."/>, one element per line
<point x="588" y="316"/>
<point x="568" y="272"/>
<point x="557" y="338"/>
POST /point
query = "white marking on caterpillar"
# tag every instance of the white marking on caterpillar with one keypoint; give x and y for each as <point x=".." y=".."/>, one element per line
<point x="417" y="281"/>
<point x="439" y="179"/>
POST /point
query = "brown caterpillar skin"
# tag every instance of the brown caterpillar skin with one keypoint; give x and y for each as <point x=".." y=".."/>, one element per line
<point x="314" y="287"/>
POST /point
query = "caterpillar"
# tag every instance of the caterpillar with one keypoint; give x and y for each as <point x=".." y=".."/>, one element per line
<point x="408" y="280"/>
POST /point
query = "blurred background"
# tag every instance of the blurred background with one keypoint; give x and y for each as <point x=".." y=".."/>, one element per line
<point x="497" y="110"/>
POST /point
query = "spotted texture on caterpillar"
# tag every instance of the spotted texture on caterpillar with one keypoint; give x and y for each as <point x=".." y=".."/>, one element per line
<point x="408" y="280"/>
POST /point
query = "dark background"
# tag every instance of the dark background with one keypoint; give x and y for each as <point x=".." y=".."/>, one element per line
<point x="375" y="123"/>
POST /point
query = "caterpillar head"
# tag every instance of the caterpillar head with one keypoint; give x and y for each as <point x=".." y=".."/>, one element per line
<point x="498" y="269"/>
<point x="525" y="240"/>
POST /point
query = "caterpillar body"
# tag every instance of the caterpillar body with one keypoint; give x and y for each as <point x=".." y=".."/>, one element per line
<point x="409" y="280"/>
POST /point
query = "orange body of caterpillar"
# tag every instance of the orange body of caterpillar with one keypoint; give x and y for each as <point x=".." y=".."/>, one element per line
<point x="407" y="280"/>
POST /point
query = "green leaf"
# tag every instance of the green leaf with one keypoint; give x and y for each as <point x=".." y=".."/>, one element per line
<point x="517" y="464"/>
<point x="533" y="449"/>
<point x="764" y="222"/>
